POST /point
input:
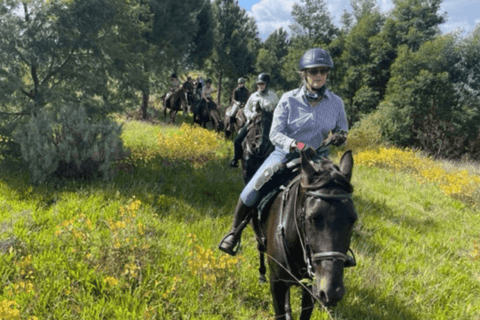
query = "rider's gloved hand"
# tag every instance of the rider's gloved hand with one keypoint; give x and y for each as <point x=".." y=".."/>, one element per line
<point x="339" y="138"/>
<point x="297" y="146"/>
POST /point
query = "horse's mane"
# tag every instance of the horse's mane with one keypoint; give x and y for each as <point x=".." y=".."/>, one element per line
<point x="326" y="173"/>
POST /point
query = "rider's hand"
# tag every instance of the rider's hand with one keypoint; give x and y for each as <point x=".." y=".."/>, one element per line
<point x="339" y="138"/>
<point x="296" y="146"/>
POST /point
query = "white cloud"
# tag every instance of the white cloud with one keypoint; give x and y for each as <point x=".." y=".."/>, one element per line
<point x="271" y="15"/>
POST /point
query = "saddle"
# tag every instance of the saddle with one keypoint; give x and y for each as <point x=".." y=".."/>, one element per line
<point x="273" y="182"/>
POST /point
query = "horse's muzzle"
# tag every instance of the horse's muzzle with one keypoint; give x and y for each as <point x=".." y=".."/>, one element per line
<point x="329" y="292"/>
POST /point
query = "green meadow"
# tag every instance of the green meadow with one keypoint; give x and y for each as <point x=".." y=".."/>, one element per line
<point x="143" y="245"/>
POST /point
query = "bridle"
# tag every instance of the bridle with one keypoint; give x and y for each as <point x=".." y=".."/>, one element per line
<point x="348" y="261"/>
<point x="308" y="256"/>
<point x="261" y="135"/>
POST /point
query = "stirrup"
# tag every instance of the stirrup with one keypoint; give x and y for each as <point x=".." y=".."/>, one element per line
<point x="231" y="251"/>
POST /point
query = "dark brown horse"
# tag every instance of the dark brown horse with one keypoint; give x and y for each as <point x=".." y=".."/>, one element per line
<point x="207" y="111"/>
<point x="306" y="231"/>
<point x="257" y="145"/>
<point x="176" y="102"/>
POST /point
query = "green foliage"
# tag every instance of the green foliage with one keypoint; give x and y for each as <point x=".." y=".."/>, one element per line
<point x="359" y="86"/>
<point x="394" y="122"/>
<point x="52" y="54"/>
<point x="313" y="21"/>
<point x="236" y="45"/>
<point x="70" y="144"/>
<point x="416" y="21"/>
<point x="270" y="57"/>
<point x="421" y="87"/>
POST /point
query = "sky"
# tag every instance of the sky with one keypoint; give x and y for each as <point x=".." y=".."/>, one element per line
<point x="273" y="14"/>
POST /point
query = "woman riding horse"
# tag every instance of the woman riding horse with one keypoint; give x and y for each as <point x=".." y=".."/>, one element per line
<point x="267" y="100"/>
<point x="238" y="100"/>
<point x="304" y="116"/>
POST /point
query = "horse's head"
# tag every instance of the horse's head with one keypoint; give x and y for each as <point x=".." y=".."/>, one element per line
<point x="257" y="139"/>
<point x="329" y="217"/>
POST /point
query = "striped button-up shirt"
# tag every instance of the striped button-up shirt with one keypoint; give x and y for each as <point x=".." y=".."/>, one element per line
<point x="294" y="119"/>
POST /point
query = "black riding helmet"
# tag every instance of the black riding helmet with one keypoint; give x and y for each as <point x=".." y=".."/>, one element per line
<point x="264" y="77"/>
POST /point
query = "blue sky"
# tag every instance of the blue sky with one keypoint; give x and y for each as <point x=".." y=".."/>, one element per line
<point x="273" y="14"/>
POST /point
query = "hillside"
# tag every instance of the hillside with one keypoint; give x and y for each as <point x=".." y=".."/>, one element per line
<point x="143" y="245"/>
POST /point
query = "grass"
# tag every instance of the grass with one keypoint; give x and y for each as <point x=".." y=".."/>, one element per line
<point x="143" y="245"/>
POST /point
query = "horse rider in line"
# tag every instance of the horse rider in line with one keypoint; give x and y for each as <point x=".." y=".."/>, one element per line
<point x="207" y="91"/>
<point x="267" y="100"/>
<point x="303" y="117"/>
<point x="205" y="97"/>
<point x="240" y="97"/>
<point x="174" y="86"/>
<point x="188" y="85"/>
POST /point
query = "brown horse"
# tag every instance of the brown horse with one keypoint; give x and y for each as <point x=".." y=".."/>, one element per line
<point x="177" y="101"/>
<point x="207" y="111"/>
<point x="306" y="231"/>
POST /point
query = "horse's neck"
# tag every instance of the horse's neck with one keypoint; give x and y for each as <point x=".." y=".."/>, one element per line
<point x="290" y="211"/>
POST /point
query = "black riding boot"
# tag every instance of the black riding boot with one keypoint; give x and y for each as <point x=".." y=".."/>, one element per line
<point x="240" y="220"/>
<point x="242" y="133"/>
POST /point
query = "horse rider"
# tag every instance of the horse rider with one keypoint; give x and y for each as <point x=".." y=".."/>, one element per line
<point x="207" y="91"/>
<point x="174" y="86"/>
<point x="188" y="85"/>
<point x="206" y="96"/>
<point x="240" y="94"/>
<point x="267" y="99"/>
<point x="239" y="98"/>
<point x="303" y="117"/>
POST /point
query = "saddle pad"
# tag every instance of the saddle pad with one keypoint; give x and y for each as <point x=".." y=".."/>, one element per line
<point x="287" y="178"/>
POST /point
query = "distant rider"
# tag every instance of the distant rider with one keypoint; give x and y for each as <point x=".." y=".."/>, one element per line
<point x="268" y="100"/>
<point x="240" y="96"/>
<point x="174" y="86"/>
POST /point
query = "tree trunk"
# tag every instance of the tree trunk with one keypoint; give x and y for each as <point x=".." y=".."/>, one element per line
<point x="219" y="93"/>
<point x="143" y="108"/>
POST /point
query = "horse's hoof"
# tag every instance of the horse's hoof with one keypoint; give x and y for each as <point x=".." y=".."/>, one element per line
<point x="262" y="279"/>
<point x="234" y="163"/>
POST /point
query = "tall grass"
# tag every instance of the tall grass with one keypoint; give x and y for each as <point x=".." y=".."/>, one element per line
<point x="143" y="246"/>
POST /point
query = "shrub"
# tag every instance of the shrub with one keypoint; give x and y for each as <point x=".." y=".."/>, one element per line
<point x="191" y="143"/>
<point x="69" y="144"/>
<point x="365" y="134"/>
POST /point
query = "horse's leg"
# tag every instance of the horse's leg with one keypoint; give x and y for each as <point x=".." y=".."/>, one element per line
<point x="262" y="269"/>
<point x="261" y="246"/>
<point x="307" y="303"/>
<point x="281" y="297"/>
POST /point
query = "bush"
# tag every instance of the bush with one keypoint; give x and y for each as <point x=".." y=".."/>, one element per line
<point x="68" y="144"/>
<point x="366" y="134"/>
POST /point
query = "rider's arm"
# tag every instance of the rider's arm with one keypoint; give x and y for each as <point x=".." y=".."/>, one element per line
<point x="248" y="110"/>
<point x="279" y="126"/>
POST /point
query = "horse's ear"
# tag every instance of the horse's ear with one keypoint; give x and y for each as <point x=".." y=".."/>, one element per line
<point x="346" y="164"/>
<point x="308" y="170"/>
